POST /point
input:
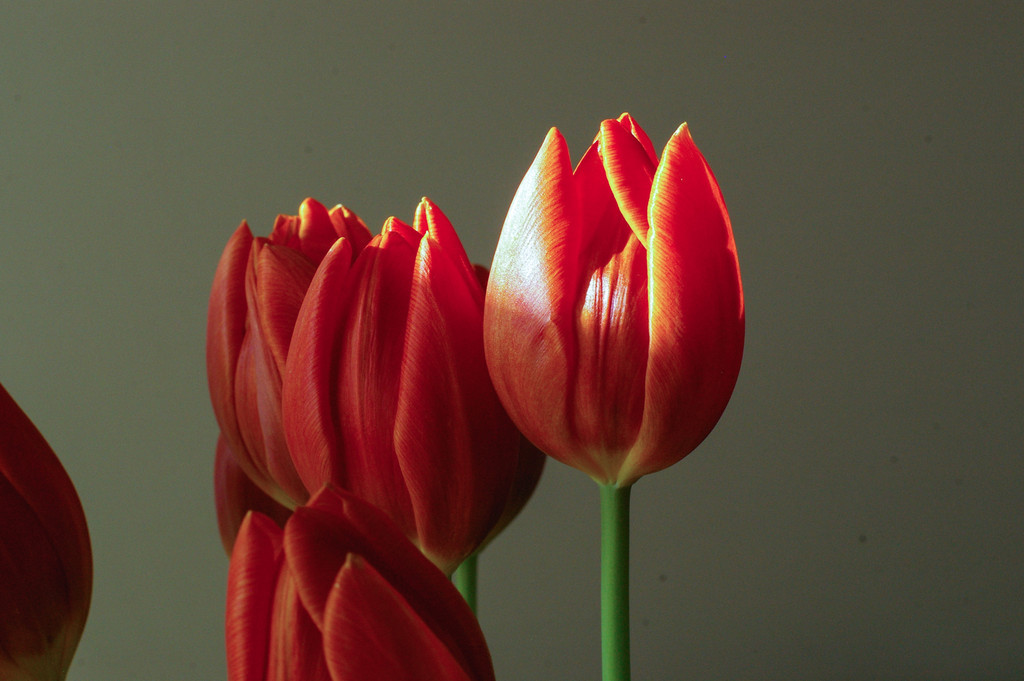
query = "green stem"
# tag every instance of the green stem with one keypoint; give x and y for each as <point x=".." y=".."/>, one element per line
<point x="615" y="583"/>
<point x="465" y="581"/>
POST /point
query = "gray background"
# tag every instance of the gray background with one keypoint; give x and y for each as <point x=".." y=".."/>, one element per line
<point x="858" y="511"/>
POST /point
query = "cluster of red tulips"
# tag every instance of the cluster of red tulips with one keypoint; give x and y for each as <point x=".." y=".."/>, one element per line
<point x="385" y="408"/>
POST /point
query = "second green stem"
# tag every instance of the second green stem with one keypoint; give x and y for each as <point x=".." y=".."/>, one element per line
<point x="465" y="581"/>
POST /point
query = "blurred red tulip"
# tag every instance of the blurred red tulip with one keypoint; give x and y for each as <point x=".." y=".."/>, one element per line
<point x="346" y="592"/>
<point x="256" y="294"/>
<point x="235" y="494"/>
<point x="387" y="393"/>
<point x="614" y="319"/>
<point x="45" y="557"/>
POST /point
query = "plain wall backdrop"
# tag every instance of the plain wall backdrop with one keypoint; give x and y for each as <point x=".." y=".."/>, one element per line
<point x="858" y="512"/>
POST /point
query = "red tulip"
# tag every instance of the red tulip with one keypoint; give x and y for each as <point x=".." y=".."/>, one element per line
<point x="387" y="392"/>
<point x="614" y="319"/>
<point x="257" y="291"/>
<point x="344" y="596"/>
<point x="45" y="558"/>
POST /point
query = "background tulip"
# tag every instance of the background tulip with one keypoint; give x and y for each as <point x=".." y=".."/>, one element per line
<point x="45" y="557"/>
<point x="387" y="392"/>
<point x="614" y="320"/>
<point x="342" y="594"/>
<point x="257" y="290"/>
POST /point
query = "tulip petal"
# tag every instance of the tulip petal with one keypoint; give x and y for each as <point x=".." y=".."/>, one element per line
<point x="630" y="173"/>
<point x="434" y="224"/>
<point x="373" y="633"/>
<point x="697" y="315"/>
<point x="312" y="232"/>
<point x="33" y="592"/>
<point x="296" y="651"/>
<point x="613" y="339"/>
<point x="455" y="445"/>
<point x="225" y="329"/>
<point x="634" y="128"/>
<point x="276" y="282"/>
<point x="45" y="554"/>
<point x="256" y="562"/>
<point x="528" y="316"/>
<point x="307" y="408"/>
<point x="369" y="365"/>
<point x="350" y="226"/>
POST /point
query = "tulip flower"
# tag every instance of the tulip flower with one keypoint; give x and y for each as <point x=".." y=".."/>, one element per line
<point x="45" y="557"/>
<point x="257" y="290"/>
<point x="387" y="393"/>
<point x="614" y="319"/>
<point x="341" y="594"/>
<point x="614" y="323"/>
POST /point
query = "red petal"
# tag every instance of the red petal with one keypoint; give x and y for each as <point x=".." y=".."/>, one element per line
<point x="296" y="651"/>
<point x="697" y="317"/>
<point x="256" y="562"/>
<point x="368" y="375"/>
<point x="45" y="555"/>
<point x="225" y="329"/>
<point x="308" y="389"/>
<point x="439" y="230"/>
<point x="630" y="173"/>
<point x="371" y="632"/>
<point x="456" y="447"/>
<point x="634" y="128"/>
<point x="33" y="590"/>
<point x="250" y="452"/>
<point x="350" y="226"/>
<point x="311" y="232"/>
<point x="531" y="294"/>
<point x="613" y="338"/>
<point x="275" y="285"/>
<point x="276" y="281"/>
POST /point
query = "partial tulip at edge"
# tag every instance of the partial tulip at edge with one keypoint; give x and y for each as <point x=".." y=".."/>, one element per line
<point x="45" y="554"/>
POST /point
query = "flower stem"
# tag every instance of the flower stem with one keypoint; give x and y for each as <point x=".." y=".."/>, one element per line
<point x="465" y="581"/>
<point x="615" y="583"/>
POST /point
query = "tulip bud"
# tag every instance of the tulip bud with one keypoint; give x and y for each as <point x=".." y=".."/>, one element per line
<point x="387" y="393"/>
<point x="614" y="318"/>
<point x="45" y="557"/>
<point x="257" y="290"/>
